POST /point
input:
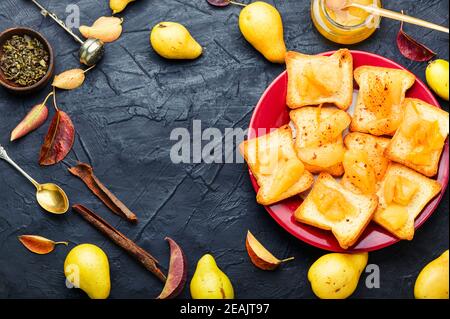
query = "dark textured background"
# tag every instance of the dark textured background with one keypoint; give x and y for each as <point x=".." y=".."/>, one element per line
<point x="124" y="114"/>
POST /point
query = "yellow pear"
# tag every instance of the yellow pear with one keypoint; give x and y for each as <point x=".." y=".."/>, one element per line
<point x="336" y="276"/>
<point x="432" y="282"/>
<point x="209" y="282"/>
<point x="172" y="40"/>
<point x="261" y="25"/>
<point x="437" y="75"/>
<point x="118" y="5"/>
<point x="87" y="267"/>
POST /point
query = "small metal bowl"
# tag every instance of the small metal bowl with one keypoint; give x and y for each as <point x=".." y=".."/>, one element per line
<point x="13" y="87"/>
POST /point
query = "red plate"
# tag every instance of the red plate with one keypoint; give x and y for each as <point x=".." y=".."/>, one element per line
<point x="272" y="112"/>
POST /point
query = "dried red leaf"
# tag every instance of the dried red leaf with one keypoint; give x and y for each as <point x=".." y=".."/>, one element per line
<point x="219" y="3"/>
<point x="58" y="141"/>
<point x="38" y="244"/>
<point x="86" y="174"/>
<point x="411" y="48"/>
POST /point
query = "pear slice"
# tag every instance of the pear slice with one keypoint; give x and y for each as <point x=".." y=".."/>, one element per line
<point x="176" y="278"/>
<point x="260" y="256"/>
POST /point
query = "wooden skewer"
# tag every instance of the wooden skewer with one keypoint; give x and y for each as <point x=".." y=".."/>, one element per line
<point x="399" y="16"/>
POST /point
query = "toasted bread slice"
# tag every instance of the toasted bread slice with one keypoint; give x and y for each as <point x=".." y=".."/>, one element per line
<point x="426" y="190"/>
<point x="374" y="147"/>
<point x="318" y="142"/>
<point x="381" y="93"/>
<point x="274" y="163"/>
<point x="314" y="80"/>
<point x="347" y="225"/>
<point x="402" y="148"/>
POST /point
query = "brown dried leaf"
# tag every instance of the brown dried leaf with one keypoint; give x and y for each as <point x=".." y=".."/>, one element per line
<point x="38" y="244"/>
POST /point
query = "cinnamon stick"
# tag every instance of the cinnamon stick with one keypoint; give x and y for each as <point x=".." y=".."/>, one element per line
<point x="147" y="260"/>
<point x="86" y="174"/>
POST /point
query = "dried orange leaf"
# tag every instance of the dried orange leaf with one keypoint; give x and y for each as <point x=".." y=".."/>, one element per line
<point x="106" y="29"/>
<point x="38" y="244"/>
<point x="69" y="80"/>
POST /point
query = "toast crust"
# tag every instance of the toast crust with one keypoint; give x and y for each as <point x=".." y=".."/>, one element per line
<point x="381" y="94"/>
<point x="314" y="80"/>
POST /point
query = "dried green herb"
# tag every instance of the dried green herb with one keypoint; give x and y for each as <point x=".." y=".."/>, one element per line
<point x="24" y="60"/>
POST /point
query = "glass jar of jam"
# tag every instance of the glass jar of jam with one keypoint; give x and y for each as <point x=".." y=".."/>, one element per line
<point x="346" y="26"/>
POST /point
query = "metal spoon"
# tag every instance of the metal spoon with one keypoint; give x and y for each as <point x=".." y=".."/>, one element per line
<point x="49" y="196"/>
<point x="91" y="50"/>
<point x="339" y="5"/>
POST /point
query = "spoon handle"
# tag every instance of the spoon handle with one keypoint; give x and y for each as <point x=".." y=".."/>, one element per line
<point x="4" y="156"/>
<point x="55" y="18"/>
<point x="400" y="17"/>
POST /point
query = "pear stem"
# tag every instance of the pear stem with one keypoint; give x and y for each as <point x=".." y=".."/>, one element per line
<point x="46" y="99"/>
<point x="61" y="243"/>
<point x="287" y="259"/>
<point x="88" y="69"/>
<point x="54" y="100"/>
<point x="238" y="3"/>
